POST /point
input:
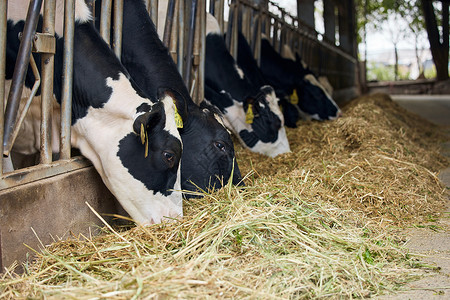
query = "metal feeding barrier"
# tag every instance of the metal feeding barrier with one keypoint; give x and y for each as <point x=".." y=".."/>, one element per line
<point x="281" y="28"/>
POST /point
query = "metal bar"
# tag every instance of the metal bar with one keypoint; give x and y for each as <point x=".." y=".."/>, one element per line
<point x="169" y="22"/>
<point x="20" y="69"/>
<point x="231" y="16"/>
<point x="187" y="70"/>
<point x="153" y="9"/>
<point x="196" y="52"/>
<point x="47" y="67"/>
<point x="181" y="41"/>
<point x="105" y="20"/>
<point x="234" y="33"/>
<point x="173" y="43"/>
<point x="24" y="111"/>
<point x="3" y="12"/>
<point x="67" y="84"/>
<point x="118" y="20"/>
<point x="201" y="69"/>
<point x="39" y="172"/>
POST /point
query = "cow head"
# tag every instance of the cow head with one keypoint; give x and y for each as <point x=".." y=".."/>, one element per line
<point x="258" y="122"/>
<point x="208" y="156"/>
<point x="311" y="97"/>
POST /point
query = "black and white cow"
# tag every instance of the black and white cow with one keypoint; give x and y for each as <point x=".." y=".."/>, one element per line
<point x="253" y="113"/>
<point x="208" y="151"/>
<point x="132" y="141"/>
<point x="249" y="66"/>
<point x="304" y="90"/>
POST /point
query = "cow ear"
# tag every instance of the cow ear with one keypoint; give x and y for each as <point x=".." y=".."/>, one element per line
<point x="147" y="121"/>
<point x="178" y="99"/>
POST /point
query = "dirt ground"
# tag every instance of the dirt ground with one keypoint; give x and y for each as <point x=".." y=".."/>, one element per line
<point x="431" y="241"/>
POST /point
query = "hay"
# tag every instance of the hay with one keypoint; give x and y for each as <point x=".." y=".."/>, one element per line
<point x="309" y="224"/>
<point x="378" y="159"/>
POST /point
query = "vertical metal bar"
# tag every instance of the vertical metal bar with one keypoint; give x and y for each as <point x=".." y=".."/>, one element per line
<point x="169" y="22"/>
<point x="181" y="41"/>
<point x="118" y="21"/>
<point x="105" y="20"/>
<point x="196" y="52"/>
<point x="173" y="43"/>
<point x="221" y="15"/>
<point x="231" y="17"/>
<point x="234" y="33"/>
<point x="201" y="70"/>
<point x="257" y="38"/>
<point x="67" y="84"/>
<point x="153" y="9"/>
<point x="187" y="70"/>
<point x="3" y="12"/>
<point x="18" y="80"/>
<point x="47" y="67"/>
<point x="212" y="7"/>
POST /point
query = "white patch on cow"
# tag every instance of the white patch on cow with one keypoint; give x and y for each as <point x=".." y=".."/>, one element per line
<point x="162" y="14"/>
<point x="169" y="108"/>
<point x="323" y="80"/>
<point x="212" y="26"/>
<point x="312" y="79"/>
<point x="286" y="52"/>
<point x="17" y="11"/>
<point x="98" y="134"/>
<point x="280" y="146"/>
<point x="239" y="71"/>
<point x="235" y="117"/>
<point x="273" y="100"/>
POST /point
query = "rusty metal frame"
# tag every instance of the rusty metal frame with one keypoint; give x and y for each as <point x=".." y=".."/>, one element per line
<point x="3" y="8"/>
<point x="18" y="80"/>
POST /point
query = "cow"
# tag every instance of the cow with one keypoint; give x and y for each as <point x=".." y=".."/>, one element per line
<point x="249" y="66"/>
<point x="208" y="159"/>
<point x="296" y="80"/>
<point x="132" y="140"/>
<point x="252" y="112"/>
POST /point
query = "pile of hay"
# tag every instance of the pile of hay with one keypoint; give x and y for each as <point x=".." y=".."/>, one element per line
<point x="309" y="224"/>
<point x="378" y="159"/>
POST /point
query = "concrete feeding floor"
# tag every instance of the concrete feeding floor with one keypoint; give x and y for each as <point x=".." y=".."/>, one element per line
<point x="433" y="246"/>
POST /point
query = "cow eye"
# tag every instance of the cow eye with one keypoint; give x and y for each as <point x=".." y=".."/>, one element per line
<point x="220" y="146"/>
<point x="169" y="157"/>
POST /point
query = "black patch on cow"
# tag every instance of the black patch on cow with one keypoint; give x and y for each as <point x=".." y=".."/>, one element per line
<point x="153" y="171"/>
<point x="320" y="103"/>
<point x="144" y="107"/>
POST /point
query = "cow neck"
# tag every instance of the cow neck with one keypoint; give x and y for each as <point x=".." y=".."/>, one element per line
<point x="94" y="66"/>
<point x="221" y="73"/>
<point x="143" y="54"/>
<point x="248" y="63"/>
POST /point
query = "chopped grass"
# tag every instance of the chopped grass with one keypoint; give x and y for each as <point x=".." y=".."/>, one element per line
<point x="309" y="224"/>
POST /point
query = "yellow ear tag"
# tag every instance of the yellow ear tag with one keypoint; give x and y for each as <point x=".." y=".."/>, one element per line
<point x="146" y="146"/>
<point x="249" y="115"/>
<point x="178" y="119"/>
<point x="294" y="97"/>
<point x="142" y="134"/>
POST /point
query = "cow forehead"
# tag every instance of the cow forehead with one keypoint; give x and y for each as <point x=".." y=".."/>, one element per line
<point x="170" y="108"/>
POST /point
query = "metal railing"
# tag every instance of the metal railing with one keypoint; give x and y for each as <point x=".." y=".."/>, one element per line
<point x="281" y="28"/>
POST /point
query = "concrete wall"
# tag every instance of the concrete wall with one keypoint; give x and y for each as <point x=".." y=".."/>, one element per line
<point x="55" y="208"/>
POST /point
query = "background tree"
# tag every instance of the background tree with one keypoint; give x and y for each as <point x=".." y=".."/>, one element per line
<point x="439" y="42"/>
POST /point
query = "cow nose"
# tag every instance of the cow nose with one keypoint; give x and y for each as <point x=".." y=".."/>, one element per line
<point x="339" y="114"/>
